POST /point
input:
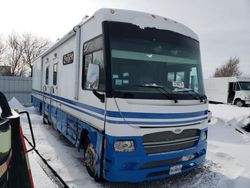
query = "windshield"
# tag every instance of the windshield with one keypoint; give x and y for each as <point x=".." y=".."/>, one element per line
<point x="244" y="85"/>
<point x="153" y="57"/>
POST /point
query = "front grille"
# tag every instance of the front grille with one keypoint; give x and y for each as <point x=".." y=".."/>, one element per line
<point x="167" y="141"/>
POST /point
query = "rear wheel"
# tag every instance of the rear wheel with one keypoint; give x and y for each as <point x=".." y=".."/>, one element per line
<point x="45" y="119"/>
<point x="239" y="103"/>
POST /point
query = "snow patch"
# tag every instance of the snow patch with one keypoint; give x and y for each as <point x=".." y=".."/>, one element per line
<point x="15" y="104"/>
<point x="39" y="177"/>
<point x="229" y="145"/>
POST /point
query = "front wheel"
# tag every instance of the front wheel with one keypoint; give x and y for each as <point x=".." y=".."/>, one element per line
<point x="90" y="158"/>
<point x="239" y="103"/>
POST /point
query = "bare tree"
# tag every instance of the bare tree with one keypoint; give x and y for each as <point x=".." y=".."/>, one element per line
<point x="21" y="51"/>
<point x="230" y="68"/>
<point x="14" y="52"/>
<point x="32" y="48"/>
<point x="2" y="51"/>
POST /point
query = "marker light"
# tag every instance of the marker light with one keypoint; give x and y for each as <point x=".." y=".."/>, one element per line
<point x="204" y="135"/>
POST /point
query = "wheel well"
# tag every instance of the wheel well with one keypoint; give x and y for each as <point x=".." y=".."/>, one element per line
<point x="84" y="139"/>
<point x="236" y="100"/>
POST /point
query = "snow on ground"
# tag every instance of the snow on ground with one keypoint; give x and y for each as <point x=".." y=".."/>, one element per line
<point x="227" y="111"/>
<point x="229" y="148"/>
<point x="39" y="177"/>
<point x="227" y="164"/>
<point x="60" y="154"/>
<point x="15" y="104"/>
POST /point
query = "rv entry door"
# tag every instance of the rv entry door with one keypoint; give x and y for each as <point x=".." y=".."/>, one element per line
<point x="46" y="91"/>
<point x="53" y="93"/>
<point x="50" y="91"/>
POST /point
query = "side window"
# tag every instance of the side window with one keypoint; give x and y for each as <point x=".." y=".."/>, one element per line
<point x="55" y="69"/>
<point x="94" y="75"/>
<point x="88" y="60"/>
<point x="93" y="65"/>
<point x="47" y="76"/>
<point x="98" y="60"/>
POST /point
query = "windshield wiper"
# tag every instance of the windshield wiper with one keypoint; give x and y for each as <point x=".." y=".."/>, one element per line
<point x="196" y="96"/>
<point x="160" y="88"/>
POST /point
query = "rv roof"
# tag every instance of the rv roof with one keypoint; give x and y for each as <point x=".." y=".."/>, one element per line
<point x="141" y="19"/>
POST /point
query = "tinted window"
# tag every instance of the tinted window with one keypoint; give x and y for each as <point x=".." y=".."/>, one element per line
<point x="55" y="67"/>
<point x="244" y="85"/>
<point x="93" y="45"/>
<point x="97" y="59"/>
<point x="47" y="76"/>
<point x="151" y="56"/>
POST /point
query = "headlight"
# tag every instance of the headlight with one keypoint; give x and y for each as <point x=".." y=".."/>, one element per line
<point x="124" y="146"/>
<point x="204" y="135"/>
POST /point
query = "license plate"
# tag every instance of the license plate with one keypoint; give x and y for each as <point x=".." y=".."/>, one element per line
<point x="175" y="169"/>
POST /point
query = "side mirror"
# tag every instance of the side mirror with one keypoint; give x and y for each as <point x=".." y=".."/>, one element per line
<point x="92" y="81"/>
<point x="99" y="96"/>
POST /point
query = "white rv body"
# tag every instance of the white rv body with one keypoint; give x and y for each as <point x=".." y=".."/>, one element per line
<point x="219" y="90"/>
<point x="73" y="110"/>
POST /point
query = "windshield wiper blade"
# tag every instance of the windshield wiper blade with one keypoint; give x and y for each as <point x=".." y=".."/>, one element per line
<point x="196" y="96"/>
<point x="160" y="88"/>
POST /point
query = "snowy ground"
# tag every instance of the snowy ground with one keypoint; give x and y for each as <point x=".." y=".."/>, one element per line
<point x="227" y="164"/>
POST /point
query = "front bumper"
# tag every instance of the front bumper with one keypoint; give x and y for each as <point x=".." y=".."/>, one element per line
<point x="138" y="166"/>
<point x="247" y="101"/>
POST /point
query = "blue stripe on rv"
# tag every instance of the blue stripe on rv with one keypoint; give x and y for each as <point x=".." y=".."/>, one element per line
<point x="156" y="123"/>
<point x="155" y="115"/>
<point x="115" y="114"/>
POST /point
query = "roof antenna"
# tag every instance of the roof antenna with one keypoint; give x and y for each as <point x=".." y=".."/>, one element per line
<point x="85" y="17"/>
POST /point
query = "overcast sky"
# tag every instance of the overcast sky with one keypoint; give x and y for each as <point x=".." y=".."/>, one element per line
<point x="223" y="26"/>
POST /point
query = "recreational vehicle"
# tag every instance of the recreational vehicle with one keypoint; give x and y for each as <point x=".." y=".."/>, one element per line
<point x="234" y="90"/>
<point x="126" y="88"/>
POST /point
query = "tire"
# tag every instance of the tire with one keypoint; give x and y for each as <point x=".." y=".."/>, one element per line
<point x="45" y="119"/>
<point x="239" y="103"/>
<point x="90" y="160"/>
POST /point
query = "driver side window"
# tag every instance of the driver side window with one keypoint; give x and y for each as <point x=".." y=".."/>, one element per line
<point x="94" y="75"/>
